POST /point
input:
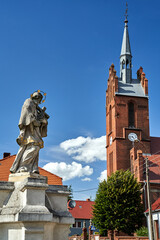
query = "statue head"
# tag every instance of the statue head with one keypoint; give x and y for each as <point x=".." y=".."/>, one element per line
<point x="37" y="97"/>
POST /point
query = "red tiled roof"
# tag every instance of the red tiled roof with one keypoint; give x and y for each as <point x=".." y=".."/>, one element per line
<point x="6" y="163"/>
<point x="155" y="205"/>
<point x="82" y="210"/>
<point x="52" y="178"/>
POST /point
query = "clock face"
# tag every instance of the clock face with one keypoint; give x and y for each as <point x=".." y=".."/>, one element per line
<point x="132" y="137"/>
<point x="110" y="140"/>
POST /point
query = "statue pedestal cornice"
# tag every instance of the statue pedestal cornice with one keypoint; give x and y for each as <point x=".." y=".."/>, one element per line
<point x="18" y="177"/>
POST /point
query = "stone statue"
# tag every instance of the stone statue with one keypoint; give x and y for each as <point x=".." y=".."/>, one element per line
<point x="33" y="127"/>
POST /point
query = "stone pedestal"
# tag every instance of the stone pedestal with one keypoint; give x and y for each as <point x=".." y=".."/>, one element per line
<point x="30" y="209"/>
<point x="19" y="177"/>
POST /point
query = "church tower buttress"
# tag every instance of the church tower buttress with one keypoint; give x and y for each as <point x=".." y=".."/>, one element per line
<point x="126" y="110"/>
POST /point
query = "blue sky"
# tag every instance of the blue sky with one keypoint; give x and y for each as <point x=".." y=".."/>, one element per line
<point x="65" y="48"/>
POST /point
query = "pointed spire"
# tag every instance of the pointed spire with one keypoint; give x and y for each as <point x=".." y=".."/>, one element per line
<point x="126" y="56"/>
<point x="126" y="48"/>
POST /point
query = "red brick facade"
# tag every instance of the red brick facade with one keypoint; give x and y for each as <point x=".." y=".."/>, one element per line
<point x="118" y="122"/>
<point x="127" y="113"/>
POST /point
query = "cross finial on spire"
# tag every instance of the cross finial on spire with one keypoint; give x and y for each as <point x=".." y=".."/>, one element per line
<point x="126" y="56"/>
<point x="126" y="12"/>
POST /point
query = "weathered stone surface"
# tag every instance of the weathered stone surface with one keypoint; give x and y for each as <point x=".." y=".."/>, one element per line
<point x="33" y="127"/>
<point x="18" y="177"/>
<point x="31" y="210"/>
<point x="5" y="190"/>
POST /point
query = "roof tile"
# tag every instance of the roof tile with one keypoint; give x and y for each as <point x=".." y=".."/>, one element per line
<point x="82" y="210"/>
<point x="6" y="163"/>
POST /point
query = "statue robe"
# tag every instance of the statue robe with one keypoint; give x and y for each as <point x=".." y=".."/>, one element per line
<point x="30" y="139"/>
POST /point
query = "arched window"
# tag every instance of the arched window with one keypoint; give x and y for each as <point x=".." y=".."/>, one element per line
<point x="110" y="118"/>
<point x="131" y="114"/>
<point x="127" y="63"/>
<point x="123" y="64"/>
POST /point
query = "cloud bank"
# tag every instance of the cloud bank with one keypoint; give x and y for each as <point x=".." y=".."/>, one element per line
<point x="103" y="176"/>
<point x="85" y="149"/>
<point x="68" y="171"/>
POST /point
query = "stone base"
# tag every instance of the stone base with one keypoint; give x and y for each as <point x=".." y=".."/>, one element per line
<point x="30" y="209"/>
<point x="19" y="177"/>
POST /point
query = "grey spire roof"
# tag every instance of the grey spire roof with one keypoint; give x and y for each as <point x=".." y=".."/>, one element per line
<point x="133" y="89"/>
<point x="126" y="49"/>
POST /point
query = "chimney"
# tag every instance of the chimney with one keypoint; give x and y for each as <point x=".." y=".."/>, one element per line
<point x="6" y="154"/>
<point x="88" y="199"/>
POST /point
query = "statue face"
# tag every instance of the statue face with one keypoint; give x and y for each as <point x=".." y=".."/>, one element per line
<point x="37" y="100"/>
<point x="37" y="97"/>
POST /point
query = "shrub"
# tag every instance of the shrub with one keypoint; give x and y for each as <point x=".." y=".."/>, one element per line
<point x="143" y="231"/>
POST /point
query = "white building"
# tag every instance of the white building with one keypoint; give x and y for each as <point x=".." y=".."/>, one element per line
<point x="156" y="219"/>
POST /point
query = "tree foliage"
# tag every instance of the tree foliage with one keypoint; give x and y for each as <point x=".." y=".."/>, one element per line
<point x="118" y="204"/>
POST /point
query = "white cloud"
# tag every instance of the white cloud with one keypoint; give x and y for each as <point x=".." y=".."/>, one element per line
<point x="103" y="176"/>
<point x="68" y="171"/>
<point x="86" y="149"/>
<point x="87" y="179"/>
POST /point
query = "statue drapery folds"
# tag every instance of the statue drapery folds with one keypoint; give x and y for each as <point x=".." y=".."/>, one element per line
<point x="33" y="127"/>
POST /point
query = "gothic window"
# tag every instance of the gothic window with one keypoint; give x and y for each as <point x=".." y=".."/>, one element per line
<point x="131" y="114"/>
<point x="110" y="118"/>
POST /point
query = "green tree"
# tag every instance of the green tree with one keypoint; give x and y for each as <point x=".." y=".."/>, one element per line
<point x="118" y="204"/>
<point x="70" y="197"/>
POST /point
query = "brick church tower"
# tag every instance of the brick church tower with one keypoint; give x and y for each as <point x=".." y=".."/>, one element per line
<point x="126" y="110"/>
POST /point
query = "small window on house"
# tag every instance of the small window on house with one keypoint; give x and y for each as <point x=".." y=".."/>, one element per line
<point x="131" y="114"/>
<point x="80" y="206"/>
<point x="74" y="225"/>
<point x="77" y="224"/>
